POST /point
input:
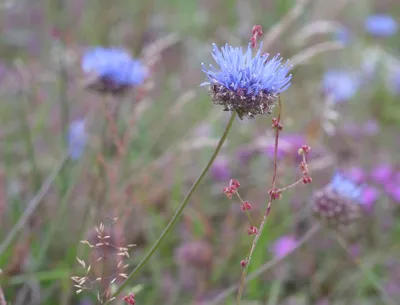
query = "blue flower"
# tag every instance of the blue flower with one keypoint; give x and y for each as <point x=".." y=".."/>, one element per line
<point x="346" y="187"/>
<point x="77" y="138"/>
<point x="113" y="68"/>
<point x="381" y="25"/>
<point x="245" y="83"/>
<point x="341" y="85"/>
<point x="343" y="35"/>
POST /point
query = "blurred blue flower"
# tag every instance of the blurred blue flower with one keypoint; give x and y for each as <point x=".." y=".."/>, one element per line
<point x="341" y="85"/>
<point x="381" y="25"/>
<point x="113" y="68"/>
<point x="343" y="35"/>
<point x="77" y="138"/>
<point x="394" y="80"/>
<point x="246" y="84"/>
<point x="346" y="187"/>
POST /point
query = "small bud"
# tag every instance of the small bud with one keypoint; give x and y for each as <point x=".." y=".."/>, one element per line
<point x="275" y="194"/>
<point x="243" y="263"/>
<point x="276" y="124"/>
<point x="304" y="150"/>
<point x="252" y="230"/>
<point x="307" y="179"/>
<point x="233" y="183"/>
<point x="245" y="206"/>
<point x="130" y="299"/>
<point x="228" y="191"/>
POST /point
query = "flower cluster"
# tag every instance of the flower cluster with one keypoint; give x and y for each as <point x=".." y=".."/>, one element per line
<point x="112" y="70"/>
<point x="129" y="299"/>
<point x="246" y="84"/>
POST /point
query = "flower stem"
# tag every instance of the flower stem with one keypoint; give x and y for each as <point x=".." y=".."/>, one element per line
<point x="261" y="228"/>
<point x="180" y="209"/>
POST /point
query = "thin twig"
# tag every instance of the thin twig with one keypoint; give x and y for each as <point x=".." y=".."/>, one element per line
<point x="267" y="266"/>
<point x="33" y="204"/>
<point x="261" y="228"/>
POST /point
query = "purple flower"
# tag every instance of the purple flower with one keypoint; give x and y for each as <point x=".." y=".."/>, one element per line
<point x="381" y="25"/>
<point x="245" y="83"/>
<point x="341" y="85"/>
<point x="382" y="173"/>
<point x="369" y="197"/>
<point x="393" y="190"/>
<point x="77" y="138"/>
<point x="283" y="246"/>
<point x="357" y="174"/>
<point x="220" y="169"/>
<point x="114" y="68"/>
<point x="244" y="154"/>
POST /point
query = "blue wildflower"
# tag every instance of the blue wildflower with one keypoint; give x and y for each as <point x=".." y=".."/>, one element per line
<point x="246" y="84"/>
<point x="346" y="187"/>
<point x="381" y="25"/>
<point x="114" y="70"/>
<point x="343" y="35"/>
<point x="77" y="138"/>
<point x="341" y="85"/>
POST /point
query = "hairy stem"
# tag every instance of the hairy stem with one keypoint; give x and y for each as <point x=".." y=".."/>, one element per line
<point x="180" y="209"/>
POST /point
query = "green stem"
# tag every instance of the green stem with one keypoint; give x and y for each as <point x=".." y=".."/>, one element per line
<point x="181" y="207"/>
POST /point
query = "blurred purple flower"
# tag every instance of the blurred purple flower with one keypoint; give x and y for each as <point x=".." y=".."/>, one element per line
<point x="369" y="197"/>
<point x="355" y="249"/>
<point x="357" y="174"/>
<point x="371" y="128"/>
<point x="393" y="190"/>
<point x="381" y="25"/>
<point x="77" y="138"/>
<point x="382" y="173"/>
<point x="270" y="152"/>
<point x="341" y="85"/>
<point x="394" y="80"/>
<point x="220" y="169"/>
<point x="244" y="154"/>
<point x="283" y="246"/>
<point x="114" y="68"/>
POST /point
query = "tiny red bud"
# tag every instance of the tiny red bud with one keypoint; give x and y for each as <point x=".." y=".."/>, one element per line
<point x="130" y="299"/>
<point x="234" y="183"/>
<point x="275" y="194"/>
<point x="243" y="263"/>
<point x="307" y="179"/>
<point x="252" y="230"/>
<point x="245" y="206"/>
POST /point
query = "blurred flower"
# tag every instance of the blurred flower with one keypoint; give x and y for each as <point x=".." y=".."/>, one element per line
<point x="244" y="154"/>
<point x="339" y="206"/>
<point x="220" y="169"/>
<point x="283" y="246"/>
<point x="112" y="69"/>
<point x="343" y="35"/>
<point x="394" y="80"/>
<point x="393" y="190"/>
<point x="246" y="84"/>
<point x="341" y="85"/>
<point x="369" y="197"/>
<point x="382" y="173"/>
<point x="357" y="174"/>
<point x="77" y="138"/>
<point x="381" y="25"/>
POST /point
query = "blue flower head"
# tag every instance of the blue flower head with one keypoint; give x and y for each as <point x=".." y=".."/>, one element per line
<point x="343" y="35"/>
<point x="77" y="138"/>
<point x="245" y="83"/>
<point x="113" y="68"/>
<point x="341" y="85"/>
<point x="346" y="187"/>
<point x="381" y="25"/>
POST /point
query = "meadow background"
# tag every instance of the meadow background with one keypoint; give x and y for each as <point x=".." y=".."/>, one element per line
<point x="168" y="129"/>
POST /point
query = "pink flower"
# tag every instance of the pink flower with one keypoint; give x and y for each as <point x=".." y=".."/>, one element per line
<point x="283" y="246"/>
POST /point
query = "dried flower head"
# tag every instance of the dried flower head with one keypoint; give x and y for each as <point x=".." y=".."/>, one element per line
<point x="340" y="205"/>
<point x="112" y="70"/>
<point x="246" y="84"/>
<point x="381" y="25"/>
